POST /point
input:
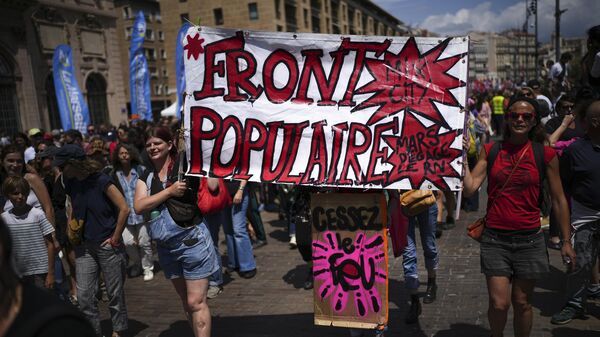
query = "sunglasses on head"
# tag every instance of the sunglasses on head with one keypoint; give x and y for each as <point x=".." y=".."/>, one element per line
<point x="526" y="116"/>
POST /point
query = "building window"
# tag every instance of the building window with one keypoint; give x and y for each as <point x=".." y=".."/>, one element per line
<point x="182" y="0"/>
<point x="161" y="35"/>
<point x="165" y="74"/>
<point x="151" y="54"/>
<point x="185" y="17"/>
<point x="163" y="54"/>
<point x="253" y="10"/>
<point x="218" y="14"/>
<point x="158" y="17"/>
<point x="127" y="33"/>
<point x="279" y="28"/>
<point x="277" y="9"/>
<point x="126" y="12"/>
<point x="150" y="34"/>
<point x="156" y="89"/>
<point x="305" y="17"/>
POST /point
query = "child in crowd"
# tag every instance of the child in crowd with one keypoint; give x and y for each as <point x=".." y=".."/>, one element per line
<point x="31" y="233"/>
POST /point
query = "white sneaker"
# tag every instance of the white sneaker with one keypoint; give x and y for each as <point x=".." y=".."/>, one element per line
<point x="148" y="275"/>
<point x="293" y="243"/>
<point x="214" y="291"/>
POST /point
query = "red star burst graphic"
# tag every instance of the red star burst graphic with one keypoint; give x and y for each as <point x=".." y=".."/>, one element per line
<point x="194" y="46"/>
<point x="411" y="81"/>
<point x="421" y="153"/>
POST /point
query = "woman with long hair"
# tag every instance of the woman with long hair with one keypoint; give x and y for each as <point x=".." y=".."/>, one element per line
<point x="513" y="250"/>
<point x="185" y="249"/>
<point x="101" y="210"/>
<point x="127" y="169"/>
<point x="14" y="165"/>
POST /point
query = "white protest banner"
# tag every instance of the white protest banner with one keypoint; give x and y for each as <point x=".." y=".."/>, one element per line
<point x="330" y="110"/>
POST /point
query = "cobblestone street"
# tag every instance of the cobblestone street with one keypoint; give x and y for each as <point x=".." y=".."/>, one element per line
<point x="273" y="304"/>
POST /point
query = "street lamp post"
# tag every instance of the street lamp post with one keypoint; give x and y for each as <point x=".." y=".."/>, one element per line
<point x="558" y="12"/>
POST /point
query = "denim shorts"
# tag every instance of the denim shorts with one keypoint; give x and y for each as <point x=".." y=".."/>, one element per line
<point x="183" y="252"/>
<point x="514" y="256"/>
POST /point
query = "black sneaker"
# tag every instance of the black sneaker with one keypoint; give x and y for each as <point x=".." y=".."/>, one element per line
<point x="567" y="314"/>
<point x="438" y="233"/>
<point x="248" y="274"/>
<point x="449" y="224"/>
<point x="412" y="316"/>
<point x="593" y="293"/>
<point x="431" y="293"/>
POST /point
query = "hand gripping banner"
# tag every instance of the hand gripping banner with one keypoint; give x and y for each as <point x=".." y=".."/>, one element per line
<point x="329" y="110"/>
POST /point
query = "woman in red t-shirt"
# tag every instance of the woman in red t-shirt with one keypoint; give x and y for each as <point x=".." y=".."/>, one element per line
<point x="513" y="250"/>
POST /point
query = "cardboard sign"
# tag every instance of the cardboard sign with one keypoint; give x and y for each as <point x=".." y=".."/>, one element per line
<point x="350" y="259"/>
<point x="329" y="110"/>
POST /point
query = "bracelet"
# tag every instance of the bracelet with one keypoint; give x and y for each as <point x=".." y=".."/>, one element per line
<point x="240" y="189"/>
<point x="563" y="241"/>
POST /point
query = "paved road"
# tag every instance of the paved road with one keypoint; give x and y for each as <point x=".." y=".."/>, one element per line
<point x="273" y="304"/>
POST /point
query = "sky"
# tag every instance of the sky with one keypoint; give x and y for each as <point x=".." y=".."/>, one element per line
<point x="457" y="17"/>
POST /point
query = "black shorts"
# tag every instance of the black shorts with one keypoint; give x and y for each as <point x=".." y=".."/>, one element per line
<point x="514" y="256"/>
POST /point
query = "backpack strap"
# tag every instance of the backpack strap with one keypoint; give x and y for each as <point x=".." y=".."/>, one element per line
<point x="538" y="153"/>
<point x="491" y="157"/>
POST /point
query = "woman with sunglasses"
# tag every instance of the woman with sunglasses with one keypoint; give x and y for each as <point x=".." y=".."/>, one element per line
<point x="184" y="245"/>
<point x="513" y="250"/>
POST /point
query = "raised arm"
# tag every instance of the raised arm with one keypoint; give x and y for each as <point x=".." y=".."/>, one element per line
<point x="41" y="192"/>
<point x="555" y="136"/>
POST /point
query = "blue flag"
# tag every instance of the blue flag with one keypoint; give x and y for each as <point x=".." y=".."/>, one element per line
<point x="179" y="66"/>
<point x="139" y="78"/>
<point x="73" y="110"/>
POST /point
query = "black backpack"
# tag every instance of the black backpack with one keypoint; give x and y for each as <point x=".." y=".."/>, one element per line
<point x="538" y="153"/>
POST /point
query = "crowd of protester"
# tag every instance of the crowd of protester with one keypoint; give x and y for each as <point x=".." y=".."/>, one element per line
<point x="93" y="209"/>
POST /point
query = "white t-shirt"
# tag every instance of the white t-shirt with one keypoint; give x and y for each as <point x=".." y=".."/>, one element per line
<point x="29" y="247"/>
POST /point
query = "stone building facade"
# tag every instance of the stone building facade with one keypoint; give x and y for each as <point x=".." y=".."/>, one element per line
<point x="29" y="32"/>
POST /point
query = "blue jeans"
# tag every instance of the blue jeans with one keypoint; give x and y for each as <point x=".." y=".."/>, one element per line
<point x="239" y="247"/>
<point x="183" y="252"/>
<point x="587" y="249"/>
<point x="426" y="221"/>
<point x="214" y="221"/>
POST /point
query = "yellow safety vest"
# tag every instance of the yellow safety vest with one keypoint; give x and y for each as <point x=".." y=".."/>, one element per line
<point x="498" y="105"/>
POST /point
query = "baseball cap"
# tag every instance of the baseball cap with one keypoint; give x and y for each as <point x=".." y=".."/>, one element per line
<point x="66" y="153"/>
<point x="50" y="151"/>
<point x="534" y="84"/>
<point x="34" y="131"/>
